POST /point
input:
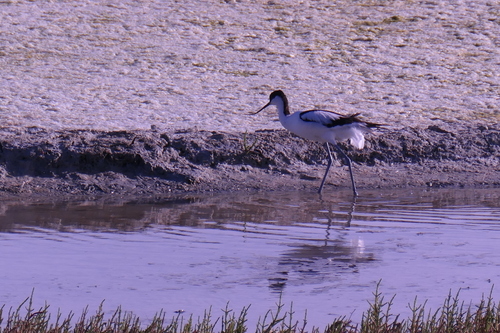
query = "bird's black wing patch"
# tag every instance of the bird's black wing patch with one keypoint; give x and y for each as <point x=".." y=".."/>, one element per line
<point x="329" y="118"/>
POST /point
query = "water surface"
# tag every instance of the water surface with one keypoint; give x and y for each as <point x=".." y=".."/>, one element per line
<point x="324" y="254"/>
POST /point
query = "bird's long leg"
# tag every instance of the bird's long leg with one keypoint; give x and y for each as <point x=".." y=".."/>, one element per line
<point x="348" y="161"/>
<point x="330" y="160"/>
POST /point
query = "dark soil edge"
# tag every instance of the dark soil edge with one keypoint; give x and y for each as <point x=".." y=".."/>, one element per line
<point x="81" y="162"/>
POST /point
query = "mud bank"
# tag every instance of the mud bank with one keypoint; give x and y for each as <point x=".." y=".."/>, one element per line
<point x="35" y="161"/>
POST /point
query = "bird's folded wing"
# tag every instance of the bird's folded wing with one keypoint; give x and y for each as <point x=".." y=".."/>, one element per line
<point x="327" y="118"/>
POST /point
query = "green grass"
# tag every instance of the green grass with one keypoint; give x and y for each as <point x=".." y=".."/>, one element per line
<point x="452" y="316"/>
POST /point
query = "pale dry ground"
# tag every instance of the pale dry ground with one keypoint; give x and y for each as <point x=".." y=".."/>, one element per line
<point x="202" y="64"/>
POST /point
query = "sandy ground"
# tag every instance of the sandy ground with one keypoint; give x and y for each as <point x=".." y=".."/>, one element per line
<point x="127" y="65"/>
<point x="83" y="82"/>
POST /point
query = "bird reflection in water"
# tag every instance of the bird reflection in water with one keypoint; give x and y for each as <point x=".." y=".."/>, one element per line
<point x="315" y="261"/>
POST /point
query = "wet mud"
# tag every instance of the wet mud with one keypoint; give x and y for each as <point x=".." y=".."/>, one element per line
<point x="40" y="162"/>
<point x="94" y="78"/>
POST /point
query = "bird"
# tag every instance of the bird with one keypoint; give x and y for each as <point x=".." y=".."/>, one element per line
<point x="323" y="126"/>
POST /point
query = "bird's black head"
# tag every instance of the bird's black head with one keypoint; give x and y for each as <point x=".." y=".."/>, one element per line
<point x="277" y="93"/>
<point x="280" y="94"/>
<point x="274" y="100"/>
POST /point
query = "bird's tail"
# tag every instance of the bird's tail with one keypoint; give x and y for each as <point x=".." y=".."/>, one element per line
<point x="374" y="125"/>
<point x="358" y="139"/>
<point x="366" y="124"/>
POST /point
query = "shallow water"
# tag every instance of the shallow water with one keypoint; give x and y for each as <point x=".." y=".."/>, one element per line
<point x="188" y="253"/>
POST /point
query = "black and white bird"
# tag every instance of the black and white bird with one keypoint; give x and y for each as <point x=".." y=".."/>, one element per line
<point x="323" y="126"/>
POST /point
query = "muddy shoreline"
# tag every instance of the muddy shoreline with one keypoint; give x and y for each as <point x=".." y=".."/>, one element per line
<point x="83" y="83"/>
<point x="39" y="162"/>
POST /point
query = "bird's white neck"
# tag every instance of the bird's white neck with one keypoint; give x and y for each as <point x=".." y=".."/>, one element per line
<point x="282" y="107"/>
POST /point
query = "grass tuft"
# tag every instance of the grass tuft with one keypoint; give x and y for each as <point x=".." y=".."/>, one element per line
<point x="452" y="316"/>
